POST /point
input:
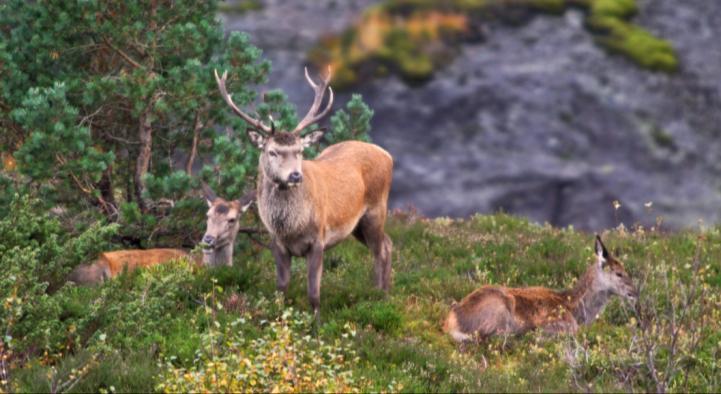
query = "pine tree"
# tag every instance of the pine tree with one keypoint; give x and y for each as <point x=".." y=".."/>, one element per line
<point x="110" y="104"/>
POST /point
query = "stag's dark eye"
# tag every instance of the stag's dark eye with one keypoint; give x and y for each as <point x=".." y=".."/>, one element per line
<point x="231" y="221"/>
<point x="620" y="275"/>
<point x="272" y="153"/>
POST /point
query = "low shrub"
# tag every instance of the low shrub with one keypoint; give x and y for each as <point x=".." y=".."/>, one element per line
<point x="284" y="358"/>
<point x="35" y="255"/>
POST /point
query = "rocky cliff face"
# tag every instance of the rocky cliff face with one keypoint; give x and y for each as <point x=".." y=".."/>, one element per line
<point x="537" y="120"/>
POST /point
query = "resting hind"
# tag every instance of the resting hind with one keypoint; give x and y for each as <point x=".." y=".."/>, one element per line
<point x="496" y="310"/>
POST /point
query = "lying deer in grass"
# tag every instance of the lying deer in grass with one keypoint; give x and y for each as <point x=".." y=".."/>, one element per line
<point x="493" y="310"/>
<point x="221" y="230"/>
<point x="110" y="264"/>
<point x="308" y="206"/>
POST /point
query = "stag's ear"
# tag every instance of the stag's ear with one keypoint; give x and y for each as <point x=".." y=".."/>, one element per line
<point x="209" y="194"/>
<point x="601" y="252"/>
<point x="257" y="138"/>
<point x="312" y="138"/>
<point x="246" y="201"/>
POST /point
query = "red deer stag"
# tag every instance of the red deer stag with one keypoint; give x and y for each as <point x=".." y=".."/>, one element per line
<point x="493" y="310"/>
<point x="310" y="205"/>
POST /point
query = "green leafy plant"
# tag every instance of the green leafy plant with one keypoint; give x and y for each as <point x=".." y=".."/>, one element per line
<point x="283" y="358"/>
<point x="35" y="255"/>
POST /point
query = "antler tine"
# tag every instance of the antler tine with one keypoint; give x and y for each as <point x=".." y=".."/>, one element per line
<point x="309" y="79"/>
<point x="313" y="116"/>
<point x="229" y="100"/>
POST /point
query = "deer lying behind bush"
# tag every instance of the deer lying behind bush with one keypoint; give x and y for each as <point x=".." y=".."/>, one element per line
<point x="492" y="310"/>
<point x="110" y="264"/>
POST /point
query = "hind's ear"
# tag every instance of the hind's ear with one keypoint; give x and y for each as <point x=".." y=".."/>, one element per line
<point x="208" y="193"/>
<point x="247" y="200"/>
<point x="601" y="252"/>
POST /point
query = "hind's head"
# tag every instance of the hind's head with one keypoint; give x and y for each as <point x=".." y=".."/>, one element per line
<point x="223" y="219"/>
<point x="89" y="274"/>
<point x="611" y="275"/>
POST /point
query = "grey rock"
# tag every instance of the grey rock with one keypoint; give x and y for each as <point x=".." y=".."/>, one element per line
<point x="537" y="120"/>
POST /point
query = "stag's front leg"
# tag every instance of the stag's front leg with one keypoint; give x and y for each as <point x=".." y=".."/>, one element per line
<point x="315" y="272"/>
<point x="282" y="266"/>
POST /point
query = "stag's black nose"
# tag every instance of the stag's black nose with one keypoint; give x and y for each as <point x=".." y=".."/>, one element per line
<point x="295" y="177"/>
<point x="209" y="240"/>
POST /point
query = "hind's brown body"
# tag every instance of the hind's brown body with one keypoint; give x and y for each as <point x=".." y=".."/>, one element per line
<point x="492" y="310"/>
<point x="110" y="264"/>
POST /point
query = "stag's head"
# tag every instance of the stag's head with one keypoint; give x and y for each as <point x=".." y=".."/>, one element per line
<point x="282" y="151"/>
<point x="611" y="275"/>
<point x="223" y="219"/>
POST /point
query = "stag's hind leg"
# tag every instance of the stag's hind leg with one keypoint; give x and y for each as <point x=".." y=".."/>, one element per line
<point x="371" y="232"/>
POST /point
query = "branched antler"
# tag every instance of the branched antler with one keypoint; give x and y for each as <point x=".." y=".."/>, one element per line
<point x="256" y="123"/>
<point x="313" y="116"/>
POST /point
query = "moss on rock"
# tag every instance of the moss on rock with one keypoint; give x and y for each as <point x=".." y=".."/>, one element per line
<point x="635" y="43"/>
<point x="614" y="8"/>
<point x="416" y="37"/>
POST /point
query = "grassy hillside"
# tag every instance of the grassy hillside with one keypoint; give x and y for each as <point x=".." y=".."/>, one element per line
<point x="179" y="327"/>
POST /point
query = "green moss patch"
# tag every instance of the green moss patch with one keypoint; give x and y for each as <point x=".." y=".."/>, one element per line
<point x="635" y="43"/>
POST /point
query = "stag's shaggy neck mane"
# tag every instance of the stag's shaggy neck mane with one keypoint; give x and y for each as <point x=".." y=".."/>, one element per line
<point x="588" y="298"/>
<point x="284" y="210"/>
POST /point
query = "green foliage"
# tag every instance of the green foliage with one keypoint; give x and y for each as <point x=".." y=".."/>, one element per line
<point x="282" y="359"/>
<point x="120" y="96"/>
<point x="35" y="255"/>
<point x="104" y="84"/>
<point x="351" y="123"/>
<point x="129" y="372"/>
<point x="52" y="122"/>
<point x="184" y="325"/>
<point x="382" y="316"/>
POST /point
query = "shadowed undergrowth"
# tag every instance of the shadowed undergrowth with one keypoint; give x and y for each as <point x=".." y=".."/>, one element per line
<point x="177" y="327"/>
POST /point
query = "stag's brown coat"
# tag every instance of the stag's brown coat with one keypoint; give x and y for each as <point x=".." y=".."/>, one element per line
<point x="311" y="205"/>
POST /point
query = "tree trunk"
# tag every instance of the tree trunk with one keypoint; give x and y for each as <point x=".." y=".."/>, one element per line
<point x="145" y="129"/>
<point x="142" y="163"/>
<point x="106" y="192"/>
<point x="197" y="128"/>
